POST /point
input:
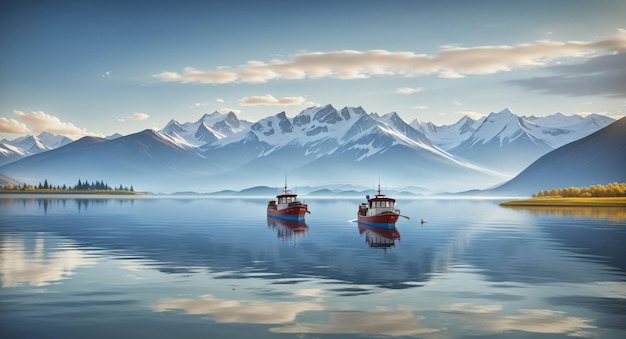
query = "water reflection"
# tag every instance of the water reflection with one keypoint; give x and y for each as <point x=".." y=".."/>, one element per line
<point x="614" y="214"/>
<point x="480" y="271"/>
<point x="377" y="237"/>
<point x="288" y="229"/>
<point x="391" y="322"/>
<point x="39" y="261"/>
<point x="240" y="311"/>
<point x="484" y="320"/>
<point x="60" y="203"/>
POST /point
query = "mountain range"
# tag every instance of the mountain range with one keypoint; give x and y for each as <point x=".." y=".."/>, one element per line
<point x="320" y="146"/>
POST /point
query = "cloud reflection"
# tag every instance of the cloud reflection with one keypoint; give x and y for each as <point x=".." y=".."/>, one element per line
<point x="46" y="262"/>
<point x="481" y="319"/>
<point x="236" y="311"/>
<point x="398" y="322"/>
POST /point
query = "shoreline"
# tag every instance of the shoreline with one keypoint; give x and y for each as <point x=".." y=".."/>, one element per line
<point x="71" y="192"/>
<point x="568" y="202"/>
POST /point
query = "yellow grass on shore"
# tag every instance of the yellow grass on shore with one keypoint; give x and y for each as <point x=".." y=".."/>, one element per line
<point x="95" y="192"/>
<point x="572" y="202"/>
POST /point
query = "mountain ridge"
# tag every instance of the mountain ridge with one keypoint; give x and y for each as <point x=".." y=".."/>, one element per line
<point x="320" y="143"/>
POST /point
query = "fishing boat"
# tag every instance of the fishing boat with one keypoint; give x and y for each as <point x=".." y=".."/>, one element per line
<point x="379" y="211"/>
<point x="287" y="206"/>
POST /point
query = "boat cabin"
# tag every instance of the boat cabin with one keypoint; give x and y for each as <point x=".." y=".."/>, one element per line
<point x="379" y="204"/>
<point x="287" y="198"/>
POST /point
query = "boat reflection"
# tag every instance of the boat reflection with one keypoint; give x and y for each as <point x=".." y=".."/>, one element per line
<point x="377" y="237"/>
<point x="288" y="229"/>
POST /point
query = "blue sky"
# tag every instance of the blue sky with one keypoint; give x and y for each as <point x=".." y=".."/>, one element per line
<point x="95" y="68"/>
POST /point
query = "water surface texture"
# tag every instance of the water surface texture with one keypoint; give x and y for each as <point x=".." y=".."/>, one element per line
<point x="78" y="267"/>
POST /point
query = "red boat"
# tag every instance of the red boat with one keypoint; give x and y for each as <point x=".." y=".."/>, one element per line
<point x="287" y="206"/>
<point x="379" y="211"/>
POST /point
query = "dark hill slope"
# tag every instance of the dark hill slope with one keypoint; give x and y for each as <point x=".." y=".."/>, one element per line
<point x="599" y="158"/>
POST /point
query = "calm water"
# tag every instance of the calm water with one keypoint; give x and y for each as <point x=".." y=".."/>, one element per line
<point x="209" y="268"/>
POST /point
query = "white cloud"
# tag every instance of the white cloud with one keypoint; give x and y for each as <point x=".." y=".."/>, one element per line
<point x="41" y="122"/>
<point x="12" y="126"/>
<point x="139" y="116"/>
<point x="219" y="100"/>
<point x="408" y="90"/>
<point x="450" y="62"/>
<point x="269" y="100"/>
<point x="107" y="74"/>
<point x="420" y="107"/>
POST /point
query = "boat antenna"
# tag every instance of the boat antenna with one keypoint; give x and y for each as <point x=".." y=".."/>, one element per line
<point x="285" y="189"/>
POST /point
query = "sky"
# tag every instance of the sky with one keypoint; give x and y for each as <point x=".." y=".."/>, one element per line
<point x="99" y="67"/>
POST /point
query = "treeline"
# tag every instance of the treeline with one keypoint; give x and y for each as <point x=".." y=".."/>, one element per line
<point x="595" y="191"/>
<point x="80" y="186"/>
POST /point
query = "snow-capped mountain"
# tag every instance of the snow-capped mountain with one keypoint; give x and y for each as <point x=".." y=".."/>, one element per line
<point x="320" y="146"/>
<point x="147" y="159"/>
<point x="598" y="158"/>
<point x="10" y="153"/>
<point x="53" y="141"/>
<point x="28" y="145"/>
<point x="209" y="128"/>
<point x="346" y="142"/>
<point x="508" y="143"/>
<point x="448" y="136"/>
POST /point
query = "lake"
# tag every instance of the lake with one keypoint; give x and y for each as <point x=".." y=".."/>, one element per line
<point x="163" y="267"/>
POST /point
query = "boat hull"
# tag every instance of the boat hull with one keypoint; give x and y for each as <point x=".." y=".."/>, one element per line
<point x="386" y="221"/>
<point x="289" y="213"/>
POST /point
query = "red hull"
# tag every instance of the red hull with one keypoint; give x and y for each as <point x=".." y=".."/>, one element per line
<point x="289" y="213"/>
<point x="387" y="220"/>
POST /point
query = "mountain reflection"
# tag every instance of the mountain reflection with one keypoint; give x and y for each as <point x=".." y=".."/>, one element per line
<point x="615" y="214"/>
<point x="377" y="237"/>
<point x="288" y="229"/>
<point x="52" y="203"/>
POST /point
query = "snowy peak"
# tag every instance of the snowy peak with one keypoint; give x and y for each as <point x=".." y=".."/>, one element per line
<point x="327" y="114"/>
<point x="209" y="128"/>
<point x="205" y="134"/>
<point x="277" y="124"/>
<point x="210" y="118"/>
<point x="30" y="144"/>
<point x="557" y="120"/>
<point x="53" y="141"/>
<point x="172" y="127"/>
<point x="503" y="126"/>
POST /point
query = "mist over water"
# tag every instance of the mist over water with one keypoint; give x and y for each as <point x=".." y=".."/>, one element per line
<point x="204" y="267"/>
